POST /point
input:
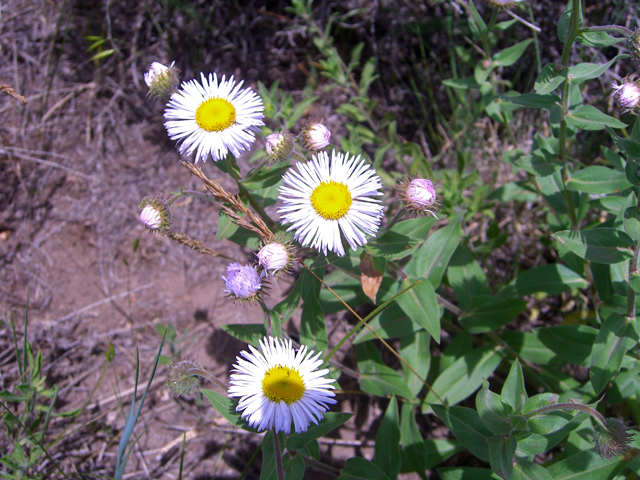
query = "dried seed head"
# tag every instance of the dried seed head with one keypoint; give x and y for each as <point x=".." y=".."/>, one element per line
<point x="181" y="381"/>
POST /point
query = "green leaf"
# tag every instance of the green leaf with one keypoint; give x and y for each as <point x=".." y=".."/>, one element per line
<point x="331" y="421"/>
<point x="598" y="179"/>
<point x="414" y="349"/>
<point x="294" y="467"/>
<point x="297" y="112"/>
<point x="513" y="389"/>
<point x="464" y="376"/>
<point x="525" y="470"/>
<point x="528" y="346"/>
<point x="510" y="55"/>
<point x="541" y="163"/>
<point x="227" y="408"/>
<point x="250" y="333"/>
<point x="551" y="279"/>
<point x="616" y="336"/>
<point x="313" y="330"/>
<point x="413" y="449"/>
<point x="532" y="100"/>
<point x="572" y="343"/>
<point x="494" y="410"/>
<point x="391" y="323"/>
<point x="265" y="177"/>
<point x="439" y="450"/>
<point x="375" y="377"/>
<point x="501" y="453"/>
<point x="466" y="426"/>
<point x="467" y="473"/>
<point x="598" y="39"/>
<point x="586" y="71"/>
<point x="632" y="222"/>
<point x="590" y="118"/>
<point x="600" y="245"/>
<point x="432" y="258"/>
<point x="466" y="277"/>
<point x="629" y="147"/>
<point x="289" y="305"/>
<point x="393" y="245"/>
<point x="421" y="305"/>
<point x="358" y="468"/>
<point x="387" y="448"/>
<point x="462" y="83"/>
<point x="489" y="313"/>
<point x="417" y="228"/>
<point x="550" y="78"/>
<point x="585" y="465"/>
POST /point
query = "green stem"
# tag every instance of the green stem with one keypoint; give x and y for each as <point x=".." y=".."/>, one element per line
<point x="206" y="375"/>
<point x="631" y="294"/>
<point x="625" y="32"/>
<point x="267" y="320"/>
<point x="278" y="455"/>
<point x="485" y="35"/>
<point x="570" y="406"/>
<point x="391" y="223"/>
<point x="189" y="193"/>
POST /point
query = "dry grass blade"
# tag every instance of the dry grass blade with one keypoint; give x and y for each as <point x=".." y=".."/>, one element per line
<point x="9" y="90"/>
<point x="193" y="244"/>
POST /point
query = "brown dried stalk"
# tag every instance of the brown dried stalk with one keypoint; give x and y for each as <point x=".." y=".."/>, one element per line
<point x="193" y="244"/>
<point x="215" y="189"/>
<point x="8" y="89"/>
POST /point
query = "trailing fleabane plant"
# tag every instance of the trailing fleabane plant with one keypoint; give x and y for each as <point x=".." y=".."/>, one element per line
<point x="213" y="117"/>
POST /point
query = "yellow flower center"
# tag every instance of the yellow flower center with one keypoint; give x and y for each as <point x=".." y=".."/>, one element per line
<point x="215" y="115"/>
<point x="283" y="384"/>
<point x="331" y="200"/>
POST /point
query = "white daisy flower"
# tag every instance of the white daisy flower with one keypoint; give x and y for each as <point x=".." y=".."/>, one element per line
<point x="326" y="197"/>
<point x="213" y="117"/>
<point x="278" y="385"/>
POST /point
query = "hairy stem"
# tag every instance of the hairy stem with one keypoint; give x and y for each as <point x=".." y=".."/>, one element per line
<point x="278" y="455"/>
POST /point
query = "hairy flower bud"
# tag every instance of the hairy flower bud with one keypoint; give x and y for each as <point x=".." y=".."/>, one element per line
<point x="419" y="196"/>
<point x="627" y="94"/>
<point x="315" y="135"/>
<point x="242" y="282"/>
<point x="613" y="439"/>
<point x="162" y="80"/>
<point x="182" y="378"/>
<point x="276" y="257"/>
<point x="279" y="147"/>
<point x="155" y="214"/>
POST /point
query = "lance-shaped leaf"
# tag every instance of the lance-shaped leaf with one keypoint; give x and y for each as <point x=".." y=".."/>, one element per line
<point x="590" y="118"/>
<point x="632" y="222"/>
<point x="331" y="421"/>
<point x="551" y="279"/>
<point x="586" y="71"/>
<point x="489" y="313"/>
<point x="467" y="473"/>
<point x="387" y="449"/>
<point x="510" y="55"/>
<point x="494" y="410"/>
<point x="466" y="426"/>
<point x="421" y="305"/>
<point x="617" y="335"/>
<point x="600" y="245"/>
<point x="598" y="179"/>
<point x="466" y="277"/>
<point x="501" y="453"/>
<point x="586" y="465"/>
<point x="550" y="78"/>
<point x="358" y="468"/>
<point x="513" y="389"/>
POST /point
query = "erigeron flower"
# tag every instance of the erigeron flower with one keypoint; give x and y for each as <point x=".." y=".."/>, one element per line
<point x="279" y="147"/>
<point x="276" y="257"/>
<point x="213" y="117"/>
<point x="418" y="196"/>
<point x="278" y="385"/>
<point x="155" y="214"/>
<point x="315" y="135"/>
<point x="327" y="197"/>
<point x="627" y="94"/>
<point x="242" y="282"/>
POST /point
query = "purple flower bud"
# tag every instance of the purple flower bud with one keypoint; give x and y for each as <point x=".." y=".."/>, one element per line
<point x="242" y="281"/>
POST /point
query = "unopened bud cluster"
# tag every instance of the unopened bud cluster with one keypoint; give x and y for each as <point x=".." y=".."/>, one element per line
<point x="155" y="214"/>
<point x="162" y="80"/>
<point x="418" y="196"/>
<point x="627" y="94"/>
<point x="613" y="438"/>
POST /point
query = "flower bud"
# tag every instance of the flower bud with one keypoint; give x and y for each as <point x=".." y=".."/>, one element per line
<point x="162" y="80"/>
<point x="419" y="196"/>
<point x="181" y="379"/>
<point x="315" y="135"/>
<point x="279" y="147"/>
<point x="627" y="94"/>
<point x="155" y="214"/>
<point x="613" y="438"/>
<point x="242" y="282"/>
<point x="276" y="257"/>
